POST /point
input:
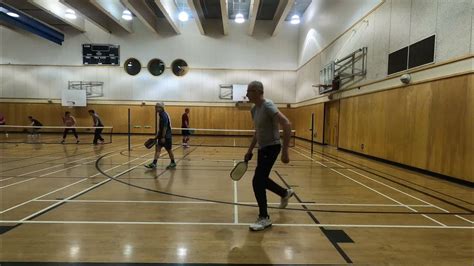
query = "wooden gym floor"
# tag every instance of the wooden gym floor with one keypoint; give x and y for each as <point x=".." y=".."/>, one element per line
<point x="57" y="207"/>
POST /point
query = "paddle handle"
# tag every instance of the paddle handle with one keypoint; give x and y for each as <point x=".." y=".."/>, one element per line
<point x="249" y="158"/>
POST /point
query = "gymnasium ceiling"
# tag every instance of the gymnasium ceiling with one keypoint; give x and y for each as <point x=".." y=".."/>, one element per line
<point x="159" y="15"/>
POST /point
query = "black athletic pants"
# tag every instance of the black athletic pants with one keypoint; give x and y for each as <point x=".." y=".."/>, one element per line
<point x="261" y="180"/>
<point x="97" y="135"/>
<point x="66" y="130"/>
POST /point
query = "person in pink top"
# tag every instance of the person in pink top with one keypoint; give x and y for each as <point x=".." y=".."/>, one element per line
<point x="70" y="122"/>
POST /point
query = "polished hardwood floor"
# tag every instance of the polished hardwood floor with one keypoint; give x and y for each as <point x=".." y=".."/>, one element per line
<point x="58" y="206"/>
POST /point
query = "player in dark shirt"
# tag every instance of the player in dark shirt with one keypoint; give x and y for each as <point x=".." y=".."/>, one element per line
<point x="185" y="124"/>
<point x="36" y="126"/>
<point x="163" y="137"/>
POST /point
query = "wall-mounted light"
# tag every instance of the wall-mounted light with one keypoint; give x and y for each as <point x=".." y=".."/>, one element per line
<point x="405" y="78"/>
<point x="127" y="15"/>
<point x="183" y="16"/>
<point x="70" y="14"/>
<point x="239" y="18"/>
<point x="295" y="19"/>
<point x="13" y="14"/>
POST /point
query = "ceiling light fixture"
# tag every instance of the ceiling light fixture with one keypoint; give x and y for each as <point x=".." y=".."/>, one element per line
<point x="183" y="16"/>
<point x="127" y="15"/>
<point x="70" y="14"/>
<point x="13" y="14"/>
<point x="239" y="18"/>
<point x="295" y="19"/>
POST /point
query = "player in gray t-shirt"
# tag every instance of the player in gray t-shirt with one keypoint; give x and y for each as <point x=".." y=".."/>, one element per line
<point x="267" y="120"/>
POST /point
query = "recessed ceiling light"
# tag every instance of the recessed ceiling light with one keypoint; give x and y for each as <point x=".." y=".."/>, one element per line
<point x="295" y="19"/>
<point x="183" y="16"/>
<point x="127" y="15"/>
<point x="239" y="18"/>
<point x="70" y="14"/>
<point x="12" y="14"/>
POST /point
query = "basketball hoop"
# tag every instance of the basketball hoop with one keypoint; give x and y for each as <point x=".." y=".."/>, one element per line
<point x="323" y="88"/>
<point x="70" y="104"/>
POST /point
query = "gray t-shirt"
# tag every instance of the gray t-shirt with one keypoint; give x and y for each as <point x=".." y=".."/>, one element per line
<point x="266" y="124"/>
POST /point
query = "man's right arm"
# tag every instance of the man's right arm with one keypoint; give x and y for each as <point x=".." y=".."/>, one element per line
<point x="249" y="153"/>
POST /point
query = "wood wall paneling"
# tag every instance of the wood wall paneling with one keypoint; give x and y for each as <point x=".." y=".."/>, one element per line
<point x="331" y="124"/>
<point x="301" y="121"/>
<point x="427" y="125"/>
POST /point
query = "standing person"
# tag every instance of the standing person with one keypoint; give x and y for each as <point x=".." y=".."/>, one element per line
<point x="36" y="126"/>
<point x="185" y="124"/>
<point x="163" y="137"/>
<point x="266" y="118"/>
<point x="70" y="122"/>
<point x="3" y="122"/>
<point x="99" y="127"/>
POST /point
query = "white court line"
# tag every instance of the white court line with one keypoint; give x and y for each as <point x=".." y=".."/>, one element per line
<point x="8" y="178"/>
<point x="54" y="191"/>
<point x="28" y="157"/>
<point x="67" y="168"/>
<point x="343" y="204"/>
<point x="381" y="183"/>
<point x="372" y="189"/>
<point x="462" y="218"/>
<point x="437" y="207"/>
<point x="135" y="201"/>
<point x="19" y="182"/>
<point x="235" y="201"/>
<point x="40" y="170"/>
<point x="89" y="188"/>
<point x="239" y="224"/>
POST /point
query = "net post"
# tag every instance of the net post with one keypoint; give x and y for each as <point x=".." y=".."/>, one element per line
<point x="312" y="132"/>
<point x="129" y="130"/>
<point x="111" y="133"/>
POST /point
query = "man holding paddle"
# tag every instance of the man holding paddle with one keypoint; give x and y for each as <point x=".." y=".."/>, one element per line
<point x="267" y="118"/>
<point x="163" y="137"/>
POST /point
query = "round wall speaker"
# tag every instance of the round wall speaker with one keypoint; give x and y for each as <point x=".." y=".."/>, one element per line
<point x="132" y="66"/>
<point x="156" y="67"/>
<point x="179" y="67"/>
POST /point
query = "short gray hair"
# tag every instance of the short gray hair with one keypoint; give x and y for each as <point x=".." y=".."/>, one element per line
<point x="160" y="104"/>
<point x="256" y="85"/>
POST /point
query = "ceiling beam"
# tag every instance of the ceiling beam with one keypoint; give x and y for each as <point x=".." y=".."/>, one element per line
<point x="29" y="23"/>
<point x="281" y="13"/>
<point x="106" y="15"/>
<point x="58" y="10"/>
<point x="225" y="16"/>
<point x="114" y="10"/>
<point x="198" y="14"/>
<point x="141" y="10"/>
<point x="254" y="4"/>
<point x="169" y="9"/>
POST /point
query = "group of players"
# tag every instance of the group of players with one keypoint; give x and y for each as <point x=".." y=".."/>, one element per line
<point x="70" y="123"/>
<point x="266" y="118"/>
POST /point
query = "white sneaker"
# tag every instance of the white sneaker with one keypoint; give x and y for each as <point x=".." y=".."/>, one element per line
<point x="261" y="223"/>
<point x="284" y="200"/>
